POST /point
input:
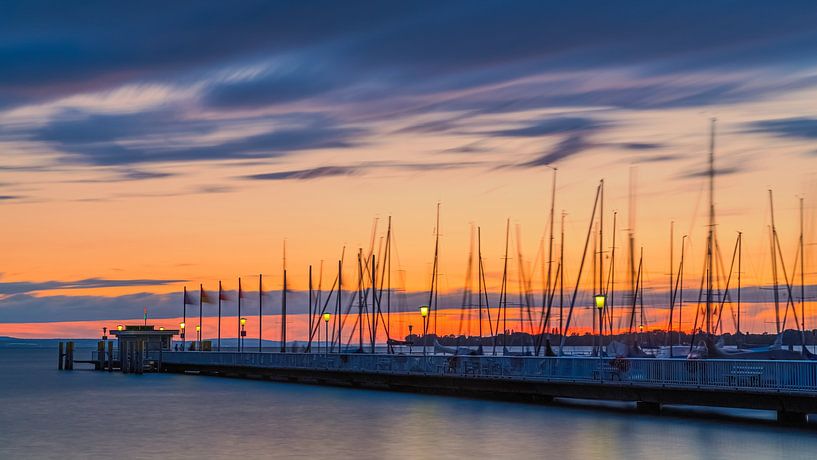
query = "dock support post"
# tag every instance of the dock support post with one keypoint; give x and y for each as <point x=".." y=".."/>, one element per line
<point x="62" y="357"/>
<point x="69" y="356"/>
<point x="140" y="360"/>
<point x="110" y="356"/>
<point x="646" y="407"/>
<point x="125" y="358"/>
<point x="791" y="418"/>
<point x="100" y="356"/>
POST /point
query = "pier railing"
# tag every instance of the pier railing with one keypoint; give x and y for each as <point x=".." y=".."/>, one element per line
<point x="766" y="376"/>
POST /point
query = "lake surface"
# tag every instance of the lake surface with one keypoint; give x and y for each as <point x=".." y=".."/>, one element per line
<point x="45" y="413"/>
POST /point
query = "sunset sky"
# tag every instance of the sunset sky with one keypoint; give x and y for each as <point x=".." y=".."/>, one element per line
<point x="147" y="147"/>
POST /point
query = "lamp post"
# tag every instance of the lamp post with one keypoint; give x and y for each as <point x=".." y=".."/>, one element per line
<point x="181" y="333"/>
<point x="198" y="337"/>
<point x="424" y="314"/>
<point x="412" y="340"/>
<point x="104" y="333"/>
<point x="243" y="322"/>
<point x="600" y="300"/>
<point x="326" y="318"/>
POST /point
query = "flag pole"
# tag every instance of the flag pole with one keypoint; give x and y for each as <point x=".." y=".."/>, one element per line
<point x="201" y="327"/>
<point x="239" y="315"/>
<point x="184" y="314"/>
<point x="260" y="310"/>
<point x="219" y="315"/>
<point x="309" y="316"/>
<point x="284" y="305"/>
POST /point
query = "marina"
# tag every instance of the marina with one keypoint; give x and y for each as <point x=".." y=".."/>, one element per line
<point x="789" y="388"/>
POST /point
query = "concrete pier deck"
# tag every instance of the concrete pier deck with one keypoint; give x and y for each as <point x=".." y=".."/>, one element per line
<point x="787" y="387"/>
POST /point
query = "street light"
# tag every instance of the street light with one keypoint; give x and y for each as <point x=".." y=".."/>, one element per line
<point x="600" y="300"/>
<point x="412" y="340"/>
<point x="424" y="314"/>
<point x="198" y="336"/>
<point x="119" y="327"/>
<point x="326" y="318"/>
<point x="243" y="322"/>
<point x="181" y="334"/>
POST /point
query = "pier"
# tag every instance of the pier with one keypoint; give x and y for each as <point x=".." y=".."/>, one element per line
<point x="787" y="387"/>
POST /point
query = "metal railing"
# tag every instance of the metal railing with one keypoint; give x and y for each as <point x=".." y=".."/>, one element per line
<point x="766" y="376"/>
<point x="95" y="355"/>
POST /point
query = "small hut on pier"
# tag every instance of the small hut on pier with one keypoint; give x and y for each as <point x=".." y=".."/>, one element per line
<point x="136" y="342"/>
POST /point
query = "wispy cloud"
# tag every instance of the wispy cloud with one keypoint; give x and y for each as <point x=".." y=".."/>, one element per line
<point x="571" y="145"/>
<point x="307" y="174"/>
<point x="24" y="287"/>
<point x="798" y="128"/>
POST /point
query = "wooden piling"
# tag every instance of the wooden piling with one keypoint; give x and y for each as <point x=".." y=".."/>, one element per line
<point x="69" y="356"/>
<point x="62" y="357"/>
<point x="126" y="358"/>
<point x="110" y="356"/>
<point x="100" y="356"/>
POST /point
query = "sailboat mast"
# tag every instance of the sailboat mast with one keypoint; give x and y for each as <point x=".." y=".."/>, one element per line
<point x="608" y="305"/>
<point x="802" y="274"/>
<point x="562" y="274"/>
<point x="431" y="292"/>
<point x="671" y="281"/>
<point x="338" y="323"/>
<point x="546" y="287"/>
<point x="601" y="261"/>
<point x="711" y="236"/>
<point x="681" y="289"/>
<point x="773" y="236"/>
<point x="375" y="304"/>
<point x="479" y="277"/>
<point x="740" y="256"/>
<point x="360" y="299"/>
<point x="631" y="272"/>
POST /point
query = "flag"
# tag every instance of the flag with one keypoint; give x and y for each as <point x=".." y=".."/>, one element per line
<point x="205" y="298"/>
<point x="188" y="299"/>
<point x="240" y="292"/>
<point x="222" y="294"/>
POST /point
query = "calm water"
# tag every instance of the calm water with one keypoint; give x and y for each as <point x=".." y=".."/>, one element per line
<point x="49" y="414"/>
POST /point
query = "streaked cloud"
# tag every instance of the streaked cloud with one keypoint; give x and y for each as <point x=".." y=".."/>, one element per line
<point x="24" y="287"/>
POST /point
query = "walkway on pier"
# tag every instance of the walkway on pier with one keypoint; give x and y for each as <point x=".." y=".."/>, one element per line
<point x="788" y="387"/>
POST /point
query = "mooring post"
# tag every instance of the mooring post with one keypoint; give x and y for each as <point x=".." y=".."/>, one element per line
<point x="62" y="357"/>
<point x="100" y="356"/>
<point x="110" y="356"/>
<point x="124" y="359"/>
<point x="140" y="360"/>
<point x="69" y="356"/>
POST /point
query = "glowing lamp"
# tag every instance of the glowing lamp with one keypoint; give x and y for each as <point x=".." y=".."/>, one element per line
<point x="424" y="311"/>
<point x="198" y="328"/>
<point x="181" y="326"/>
<point x="640" y="328"/>
<point x="326" y="317"/>
<point x="161" y="328"/>
<point x="120" y="327"/>
<point x="243" y="321"/>
<point x="600" y="299"/>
